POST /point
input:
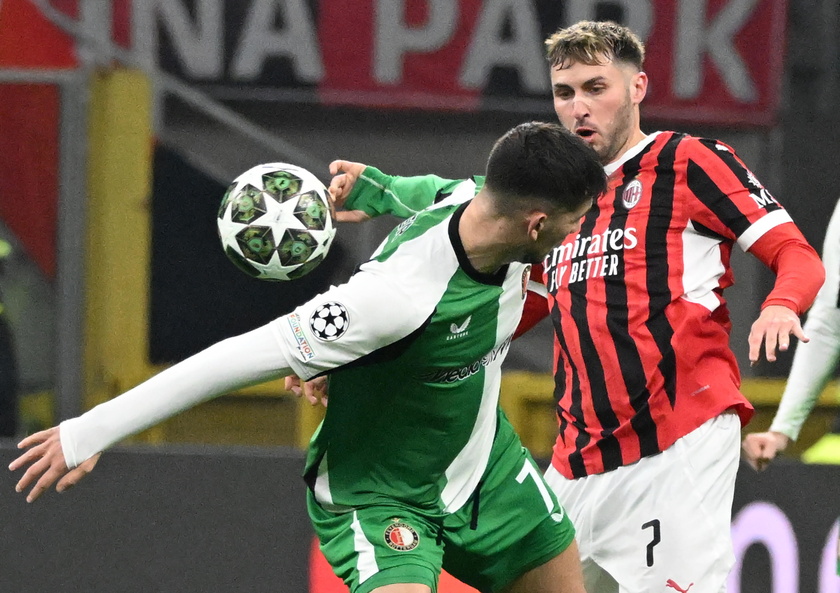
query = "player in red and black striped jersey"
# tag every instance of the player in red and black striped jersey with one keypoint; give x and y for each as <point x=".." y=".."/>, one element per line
<point x="647" y="388"/>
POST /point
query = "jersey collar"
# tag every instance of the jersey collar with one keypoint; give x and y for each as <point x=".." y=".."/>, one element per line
<point x="615" y="165"/>
<point x="494" y="279"/>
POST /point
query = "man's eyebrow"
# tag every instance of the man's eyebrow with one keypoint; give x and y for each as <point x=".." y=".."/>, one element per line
<point x="589" y="82"/>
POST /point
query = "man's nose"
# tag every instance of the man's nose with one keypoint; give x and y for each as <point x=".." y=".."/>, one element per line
<point x="580" y="109"/>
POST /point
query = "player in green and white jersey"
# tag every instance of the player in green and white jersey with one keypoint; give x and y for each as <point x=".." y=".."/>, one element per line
<point x="414" y="468"/>
<point x="814" y="364"/>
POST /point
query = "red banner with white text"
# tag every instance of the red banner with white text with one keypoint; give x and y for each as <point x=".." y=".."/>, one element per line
<point x="710" y="61"/>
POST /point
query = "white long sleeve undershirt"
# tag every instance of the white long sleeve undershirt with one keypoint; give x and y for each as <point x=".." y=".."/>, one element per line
<point x="234" y="363"/>
<point x="812" y="368"/>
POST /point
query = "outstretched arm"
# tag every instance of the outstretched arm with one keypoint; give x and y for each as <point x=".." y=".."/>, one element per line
<point x="367" y="192"/>
<point x="68" y="452"/>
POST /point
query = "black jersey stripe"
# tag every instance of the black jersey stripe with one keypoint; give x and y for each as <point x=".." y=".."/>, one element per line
<point x="441" y="196"/>
<point x="618" y="320"/>
<point x="706" y="231"/>
<point x="608" y="444"/>
<point x="734" y="164"/>
<point x="657" y="264"/>
<point x="576" y="408"/>
<point x="715" y="199"/>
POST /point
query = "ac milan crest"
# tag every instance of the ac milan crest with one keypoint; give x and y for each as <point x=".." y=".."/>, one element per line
<point x="632" y="194"/>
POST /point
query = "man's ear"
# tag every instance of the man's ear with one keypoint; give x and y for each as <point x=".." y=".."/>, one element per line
<point x="536" y="222"/>
<point x="638" y="87"/>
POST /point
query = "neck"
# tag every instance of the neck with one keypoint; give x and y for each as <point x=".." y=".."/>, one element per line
<point x="484" y="236"/>
<point x="636" y="135"/>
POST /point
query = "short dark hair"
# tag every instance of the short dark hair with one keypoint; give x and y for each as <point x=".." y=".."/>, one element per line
<point x="595" y="42"/>
<point x="546" y="162"/>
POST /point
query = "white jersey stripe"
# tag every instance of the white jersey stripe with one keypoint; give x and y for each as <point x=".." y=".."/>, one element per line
<point x="465" y="471"/>
<point x="388" y="191"/>
<point x="538" y="288"/>
<point x="702" y="268"/>
<point x="322" y="491"/>
<point x="366" y="560"/>
<point x="761" y="226"/>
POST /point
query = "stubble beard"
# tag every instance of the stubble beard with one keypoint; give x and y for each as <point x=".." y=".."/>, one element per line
<point x="623" y="126"/>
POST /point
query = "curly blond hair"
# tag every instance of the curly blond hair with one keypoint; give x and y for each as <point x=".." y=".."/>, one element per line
<point x="595" y="42"/>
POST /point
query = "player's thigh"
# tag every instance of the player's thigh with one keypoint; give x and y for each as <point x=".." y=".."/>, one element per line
<point x="668" y="522"/>
<point x="375" y="547"/>
<point x="561" y="574"/>
<point x="515" y="526"/>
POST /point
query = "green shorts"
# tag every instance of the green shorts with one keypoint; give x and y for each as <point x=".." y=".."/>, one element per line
<point x="511" y="524"/>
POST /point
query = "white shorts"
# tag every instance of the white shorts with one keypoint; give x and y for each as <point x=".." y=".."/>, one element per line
<point x="661" y="524"/>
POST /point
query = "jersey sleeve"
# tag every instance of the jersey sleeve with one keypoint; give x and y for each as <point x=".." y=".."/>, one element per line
<point x="376" y="193"/>
<point x="218" y="369"/>
<point x="371" y="317"/>
<point x="728" y="199"/>
<point x="814" y="362"/>
<point x="799" y="272"/>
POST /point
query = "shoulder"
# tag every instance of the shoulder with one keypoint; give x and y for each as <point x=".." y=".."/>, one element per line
<point x="703" y="148"/>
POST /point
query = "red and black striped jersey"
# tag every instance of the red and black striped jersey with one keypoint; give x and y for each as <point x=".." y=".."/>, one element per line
<point x="641" y="325"/>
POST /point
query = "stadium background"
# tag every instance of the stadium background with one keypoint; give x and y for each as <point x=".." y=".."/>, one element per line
<point x="122" y="122"/>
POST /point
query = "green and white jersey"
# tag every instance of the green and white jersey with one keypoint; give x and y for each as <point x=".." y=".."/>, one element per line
<point x="413" y="344"/>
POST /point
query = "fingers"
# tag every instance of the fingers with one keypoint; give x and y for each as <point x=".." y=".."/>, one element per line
<point x="292" y="383"/>
<point x="345" y="174"/>
<point x="316" y="391"/>
<point x="773" y="329"/>
<point x="310" y="391"/>
<point x="771" y="341"/>
<point x="36" y="438"/>
<point x="754" y="340"/>
<point x="43" y="484"/>
<point x="800" y="333"/>
<point x="43" y="473"/>
<point x="763" y="461"/>
<point x="75" y="475"/>
<point x="341" y="183"/>
<point x="27" y="458"/>
<point x="759" y="450"/>
<point x="45" y="460"/>
<point x="37" y="447"/>
<point x="750" y="451"/>
<point x="336" y="166"/>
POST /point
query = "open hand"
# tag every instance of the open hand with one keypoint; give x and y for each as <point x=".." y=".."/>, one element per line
<point x="44" y="457"/>
<point x="773" y="328"/>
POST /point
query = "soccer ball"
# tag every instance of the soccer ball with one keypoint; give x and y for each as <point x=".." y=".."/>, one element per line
<point x="275" y="222"/>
